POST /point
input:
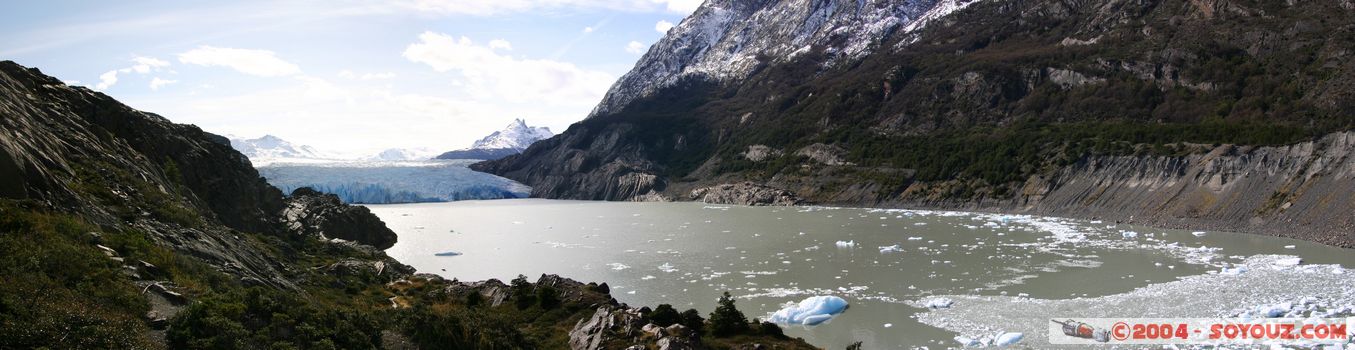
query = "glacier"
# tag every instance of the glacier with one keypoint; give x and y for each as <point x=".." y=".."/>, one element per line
<point x="387" y="182"/>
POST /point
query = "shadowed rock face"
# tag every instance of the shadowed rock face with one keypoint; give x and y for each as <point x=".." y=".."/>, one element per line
<point x="312" y="213"/>
<point x="74" y="150"/>
<point x="56" y="136"/>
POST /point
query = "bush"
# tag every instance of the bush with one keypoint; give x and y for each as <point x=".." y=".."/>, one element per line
<point x="522" y="292"/>
<point x="665" y="315"/>
<point x="693" y="321"/>
<point x="770" y="329"/>
<point x="474" y="299"/>
<point x="454" y="328"/>
<point x="548" y="297"/>
<point x="263" y="317"/>
<point x="727" y="320"/>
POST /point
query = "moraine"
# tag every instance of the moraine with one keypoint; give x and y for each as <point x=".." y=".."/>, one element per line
<point x="896" y="261"/>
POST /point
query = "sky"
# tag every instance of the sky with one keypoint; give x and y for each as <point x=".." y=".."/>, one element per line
<point x="347" y="77"/>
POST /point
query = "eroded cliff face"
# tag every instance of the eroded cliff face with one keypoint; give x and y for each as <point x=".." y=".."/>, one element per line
<point x="1300" y="191"/>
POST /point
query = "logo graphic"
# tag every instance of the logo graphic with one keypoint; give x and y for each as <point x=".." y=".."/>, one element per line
<point x="1077" y="329"/>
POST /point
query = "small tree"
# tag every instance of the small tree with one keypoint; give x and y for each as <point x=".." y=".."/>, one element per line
<point x="474" y="299"/>
<point x="665" y="315"/>
<point x="771" y="329"/>
<point x="547" y="296"/>
<point x="693" y="321"/>
<point x="727" y="320"/>
<point x="854" y="346"/>
<point x="522" y="292"/>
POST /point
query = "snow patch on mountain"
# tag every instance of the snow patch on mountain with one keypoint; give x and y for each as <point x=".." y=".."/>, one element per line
<point x="727" y="39"/>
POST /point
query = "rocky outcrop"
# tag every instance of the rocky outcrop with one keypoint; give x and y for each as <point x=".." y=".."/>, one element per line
<point x="603" y="327"/>
<point x="823" y="154"/>
<point x="758" y="153"/>
<point x="744" y="193"/>
<point x="311" y="213"/>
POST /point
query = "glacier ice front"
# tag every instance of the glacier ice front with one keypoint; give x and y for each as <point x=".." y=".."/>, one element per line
<point x="381" y="182"/>
<point x="811" y="311"/>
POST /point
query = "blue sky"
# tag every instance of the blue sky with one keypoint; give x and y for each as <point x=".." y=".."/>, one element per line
<point x="346" y="76"/>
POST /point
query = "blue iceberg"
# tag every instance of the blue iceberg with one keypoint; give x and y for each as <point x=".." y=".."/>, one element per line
<point x="811" y="311"/>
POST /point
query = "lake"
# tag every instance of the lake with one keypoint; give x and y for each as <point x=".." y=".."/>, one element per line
<point x="686" y="254"/>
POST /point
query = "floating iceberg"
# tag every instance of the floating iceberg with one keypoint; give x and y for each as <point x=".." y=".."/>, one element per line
<point x="891" y="249"/>
<point x="1006" y="339"/>
<point x="1198" y="233"/>
<point x="846" y="244"/>
<point x="811" y="311"/>
<point x="938" y="303"/>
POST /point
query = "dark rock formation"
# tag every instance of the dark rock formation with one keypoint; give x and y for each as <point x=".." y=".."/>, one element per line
<point x="312" y="213"/>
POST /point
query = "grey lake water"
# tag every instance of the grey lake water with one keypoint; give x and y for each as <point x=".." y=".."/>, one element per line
<point x="881" y="261"/>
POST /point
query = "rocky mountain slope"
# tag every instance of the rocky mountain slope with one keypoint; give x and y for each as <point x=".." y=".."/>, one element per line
<point x="514" y="138"/>
<point x="1014" y="105"/>
<point x="122" y="230"/>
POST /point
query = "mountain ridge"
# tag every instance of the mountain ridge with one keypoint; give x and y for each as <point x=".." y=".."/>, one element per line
<point x="971" y="109"/>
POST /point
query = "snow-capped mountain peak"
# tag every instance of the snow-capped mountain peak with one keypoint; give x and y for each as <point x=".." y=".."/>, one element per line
<point x="272" y="147"/>
<point x="516" y="136"/>
<point x="725" y="40"/>
<point x="513" y="139"/>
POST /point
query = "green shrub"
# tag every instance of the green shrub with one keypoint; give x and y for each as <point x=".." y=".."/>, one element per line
<point x="727" y="320"/>
<point x="665" y="315"/>
<point x="693" y="321"/>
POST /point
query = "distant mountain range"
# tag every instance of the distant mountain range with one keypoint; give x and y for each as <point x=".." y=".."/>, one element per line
<point x="271" y="147"/>
<point x="396" y="175"/>
<point x="513" y="139"/>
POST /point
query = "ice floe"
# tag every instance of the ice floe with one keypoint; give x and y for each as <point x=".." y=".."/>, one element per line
<point x="811" y="311"/>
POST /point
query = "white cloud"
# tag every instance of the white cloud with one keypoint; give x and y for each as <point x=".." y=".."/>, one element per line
<point x="146" y="64"/>
<point x="588" y="29"/>
<point x="156" y="83"/>
<point x="142" y="65"/>
<point x="487" y="74"/>
<point x="253" y="62"/>
<point x="636" y="47"/>
<point x="663" y="26"/>
<point x="107" y="80"/>
<point x="500" y="44"/>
